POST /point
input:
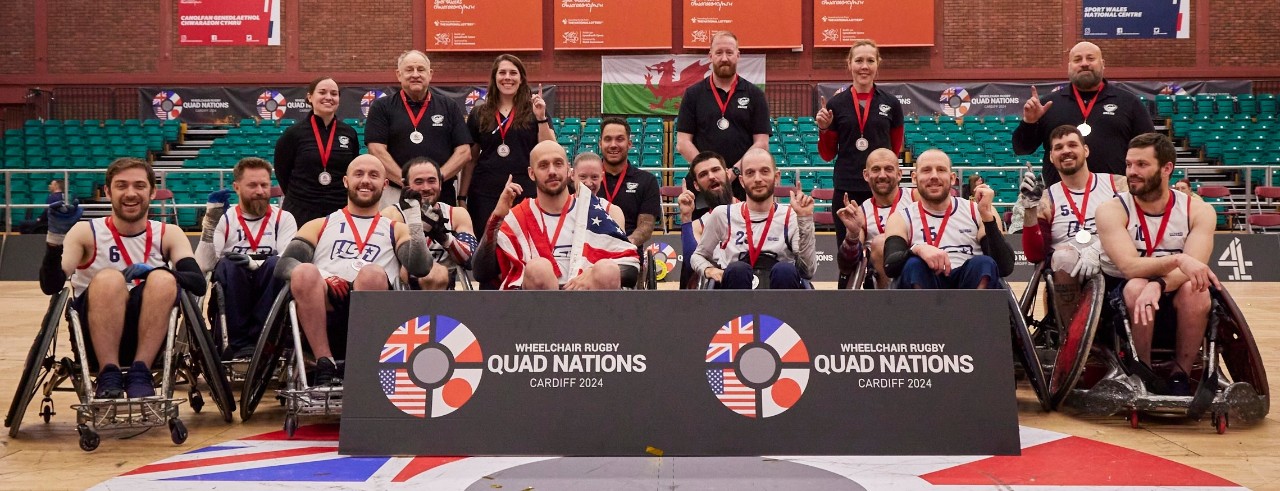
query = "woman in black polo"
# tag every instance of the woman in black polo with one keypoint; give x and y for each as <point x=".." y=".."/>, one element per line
<point x="512" y="120"/>
<point x="312" y="156"/>
<point x="848" y="132"/>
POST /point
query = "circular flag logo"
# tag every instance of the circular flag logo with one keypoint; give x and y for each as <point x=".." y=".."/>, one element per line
<point x="664" y="258"/>
<point x="474" y="97"/>
<point x="271" y="105"/>
<point x="757" y="366"/>
<point x="167" y="105"/>
<point x="955" y="101"/>
<point x="367" y="100"/>
<point x="430" y="366"/>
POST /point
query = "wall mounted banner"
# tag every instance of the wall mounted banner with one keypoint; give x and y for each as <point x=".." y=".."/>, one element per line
<point x="655" y="84"/>
<point x="1135" y="19"/>
<point x="229" y="105"/>
<point x="484" y="25"/>
<point x="229" y="22"/>
<point x="837" y="23"/>
<point x="727" y="373"/>
<point x="757" y="23"/>
<point x="612" y="24"/>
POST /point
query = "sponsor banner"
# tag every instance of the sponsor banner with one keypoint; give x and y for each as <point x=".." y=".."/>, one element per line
<point x="837" y="23"/>
<point x="1246" y="257"/>
<point x="1135" y="19"/>
<point x="960" y="99"/>
<point x="757" y="23"/>
<point x="218" y="105"/>
<point x="655" y="84"/>
<point x="484" y="25"/>
<point x="733" y="373"/>
<point x="612" y="24"/>
<point x="229" y="22"/>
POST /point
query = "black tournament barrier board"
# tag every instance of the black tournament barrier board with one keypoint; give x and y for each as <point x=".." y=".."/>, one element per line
<point x="692" y="373"/>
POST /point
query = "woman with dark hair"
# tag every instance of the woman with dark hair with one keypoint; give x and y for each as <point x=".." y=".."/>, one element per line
<point x="505" y="129"/>
<point x="312" y="156"/>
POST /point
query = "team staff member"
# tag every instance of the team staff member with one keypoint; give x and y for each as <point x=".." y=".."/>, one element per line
<point x="632" y="189"/>
<point x="850" y="131"/>
<point x="417" y="122"/>
<point x="724" y="113"/>
<point x="312" y="156"/>
<point x="504" y="129"/>
<point x="1106" y="115"/>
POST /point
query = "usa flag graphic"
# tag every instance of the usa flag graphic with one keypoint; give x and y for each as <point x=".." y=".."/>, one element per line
<point x="730" y="391"/>
<point x="403" y="393"/>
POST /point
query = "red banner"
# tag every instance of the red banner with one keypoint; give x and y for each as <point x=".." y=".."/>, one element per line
<point x="229" y="22"/>
<point x="612" y="24"/>
<point x="837" y="23"/>
<point x="484" y="25"/>
<point x="757" y="23"/>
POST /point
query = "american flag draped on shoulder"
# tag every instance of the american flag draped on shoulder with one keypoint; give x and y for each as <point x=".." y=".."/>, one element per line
<point x="593" y="234"/>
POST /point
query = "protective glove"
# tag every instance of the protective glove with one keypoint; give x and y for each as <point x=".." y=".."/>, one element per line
<point x="1031" y="190"/>
<point x="137" y="272"/>
<point x="213" y="210"/>
<point x="435" y="225"/>
<point x="1089" y="263"/>
<point x="63" y="215"/>
<point x="411" y="209"/>
<point x="339" y="289"/>
<point x="242" y="260"/>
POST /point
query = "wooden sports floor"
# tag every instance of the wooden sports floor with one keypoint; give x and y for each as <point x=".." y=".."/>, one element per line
<point x="46" y="456"/>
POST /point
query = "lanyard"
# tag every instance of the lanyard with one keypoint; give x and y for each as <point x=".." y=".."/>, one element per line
<point x="504" y="125"/>
<point x="929" y="238"/>
<point x="724" y="105"/>
<point x="423" y="112"/>
<point x="559" y="224"/>
<point x="1085" y="110"/>
<point x="859" y="112"/>
<point x="1164" y="222"/>
<point x="124" y="253"/>
<point x="325" y="149"/>
<point x="254" y="239"/>
<point x="897" y="199"/>
<point x="618" y="186"/>
<point x="754" y="250"/>
<point x="360" y="243"/>
<point x="1084" y="208"/>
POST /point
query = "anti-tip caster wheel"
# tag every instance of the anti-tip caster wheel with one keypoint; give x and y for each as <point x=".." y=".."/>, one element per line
<point x="1133" y="419"/>
<point x="290" y="425"/>
<point x="177" y="431"/>
<point x="197" y="401"/>
<point x="89" y="440"/>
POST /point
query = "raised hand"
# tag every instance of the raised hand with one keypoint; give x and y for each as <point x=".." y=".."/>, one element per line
<point x="1031" y="190"/>
<point x="824" y="116"/>
<point x="852" y="217"/>
<point x="983" y="196"/>
<point x="63" y="215"/>
<point x="686" y="202"/>
<point x="539" y="104"/>
<point x="1033" y="110"/>
<point x="510" y="191"/>
<point x="801" y="203"/>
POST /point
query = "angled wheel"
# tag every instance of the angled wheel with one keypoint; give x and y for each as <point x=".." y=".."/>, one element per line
<point x="216" y="316"/>
<point x="1075" y="340"/>
<point x="1024" y="350"/>
<point x="206" y="357"/>
<point x="266" y="355"/>
<point x="40" y="360"/>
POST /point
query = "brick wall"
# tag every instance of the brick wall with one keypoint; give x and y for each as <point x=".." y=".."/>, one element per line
<point x="18" y="37"/>
<point x="1242" y="34"/>
<point x="94" y="37"/>
<point x="343" y="37"/>
<point x="1002" y="34"/>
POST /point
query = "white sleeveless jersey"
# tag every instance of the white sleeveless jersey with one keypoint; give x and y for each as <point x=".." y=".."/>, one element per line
<point x="1175" y="233"/>
<point x="438" y="252"/>
<point x="877" y="216"/>
<point x="107" y="255"/>
<point x="777" y="240"/>
<point x="960" y="239"/>
<point x="230" y="237"/>
<point x="1065" y="223"/>
<point x="336" y="253"/>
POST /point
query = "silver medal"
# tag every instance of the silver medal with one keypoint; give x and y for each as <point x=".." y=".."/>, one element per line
<point x="325" y="178"/>
<point x="504" y="150"/>
<point x="357" y="265"/>
<point x="1083" y="237"/>
<point x="862" y="144"/>
<point x="1084" y="129"/>
<point x="722" y="124"/>
<point x="415" y="137"/>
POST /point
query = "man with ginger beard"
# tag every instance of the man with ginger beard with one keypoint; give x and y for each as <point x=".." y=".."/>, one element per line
<point x="710" y="188"/>
<point x="352" y="248"/>
<point x="241" y="246"/>
<point x="884" y="176"/>
<point x="945" y="242"/>
<point x="1157" y="243"/>
<point x="1106" y="115"/>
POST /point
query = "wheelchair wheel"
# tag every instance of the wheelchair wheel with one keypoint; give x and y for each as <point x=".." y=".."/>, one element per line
<point x="206" y="359"/>
<point x="40" y="360"/>
<point x="216" y="316"/>
<point x="1025" y="353"/>
<point x="1074" y="342"/>
<point x="266" y="355"/>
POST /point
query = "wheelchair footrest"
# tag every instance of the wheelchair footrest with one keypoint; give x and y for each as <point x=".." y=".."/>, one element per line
<point x="313" y="400"/>
<point x="110" y="414"/>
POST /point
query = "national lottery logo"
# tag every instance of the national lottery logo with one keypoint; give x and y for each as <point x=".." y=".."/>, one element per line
<point x="430" y="366"/>
<point x="664" y="258"/>
<point x="271" y="105"/>
<point x="757" y="366"/>
<point x="474" y="97"/>
<point x="366" y="101"/>
<point x="955" y="101"/>
<point x="167" y="105"/>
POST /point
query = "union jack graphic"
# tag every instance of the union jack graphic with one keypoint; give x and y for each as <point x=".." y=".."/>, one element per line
<point x="730" y="338"/>
<point x="406" y="338"/>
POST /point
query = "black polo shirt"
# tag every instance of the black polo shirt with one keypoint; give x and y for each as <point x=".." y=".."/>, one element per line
<point x="491" y="171"/>
<point x="885" y="115"/>
<point x="297" y="162"/>
<point x="637" y="194"/>
<point x="443" y="128"/>
<point x="747" y="112"/>
<point x="1116" y="118"/>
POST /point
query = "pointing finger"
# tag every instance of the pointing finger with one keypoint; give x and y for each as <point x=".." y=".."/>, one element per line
<point x="539" y="89"/>
<point x="1034" y="93"/>
<point x="822" y="102"/>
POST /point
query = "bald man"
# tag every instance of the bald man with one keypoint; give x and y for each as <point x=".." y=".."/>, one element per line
<point x="884" y="176"/>
<point x="1106" y="115"/>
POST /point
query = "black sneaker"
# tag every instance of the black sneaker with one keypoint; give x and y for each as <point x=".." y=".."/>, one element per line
<point x="1179" y="385"/>
<point x="139" y="382"/>
<point x="327" y="373"/>
<point x="110" y="384"/>
<point x="243" y="353"/>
